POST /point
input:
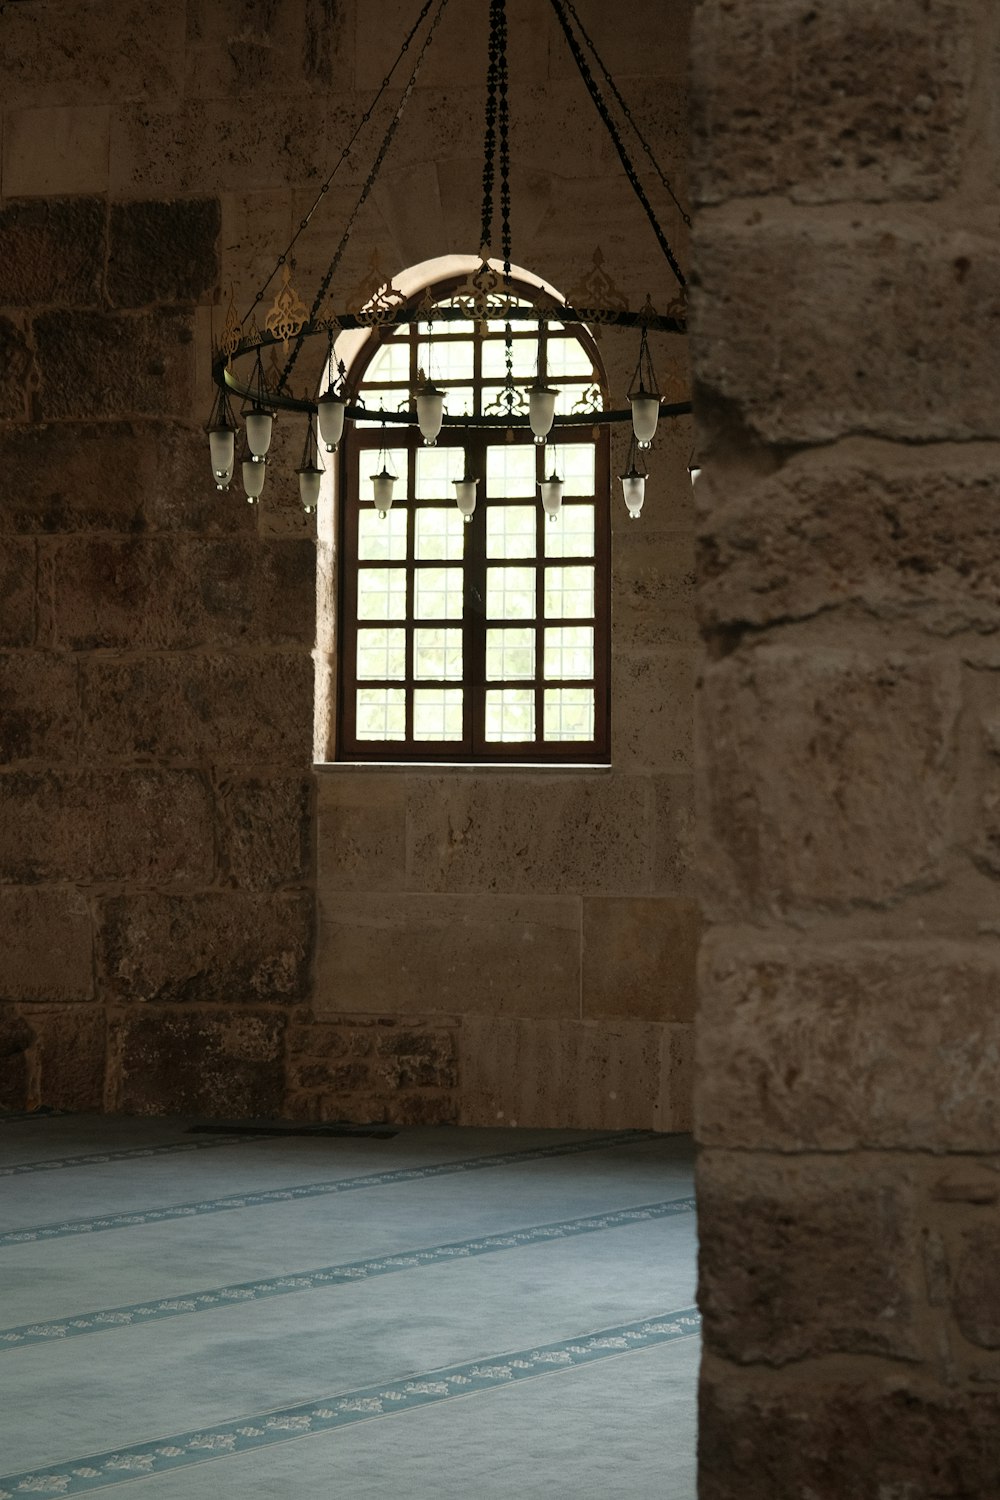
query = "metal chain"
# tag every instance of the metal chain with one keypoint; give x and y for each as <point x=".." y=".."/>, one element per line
<point x="504" y="113"/>
<point x="619" y="145"/>
<point x="369" y="183"/>
<point x="628" y="114"/>
<point x="489" y="133"/>
<point x="345" y="153"/>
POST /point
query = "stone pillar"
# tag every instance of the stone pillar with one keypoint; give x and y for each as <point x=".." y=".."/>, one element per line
<point x="848" y="1098"/>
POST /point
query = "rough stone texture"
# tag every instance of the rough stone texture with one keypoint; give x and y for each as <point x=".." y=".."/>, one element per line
<point x="814" y="118"/>
<point x="18" y="571"/>
<point x="15" y="1067"/>
<point x="975" y="1299"/>
<point x="66" y="59"/>
<point x="45" y="948"/>
<point x="220" y="947"/>
<point x="639" y="957"/>
<point x="264" y="830"/>
<point x="18" y="374"/>
<point x="68" y="1056"/>
<point x="816" y="754"/>
<point x="852" y="1045"/>
<point x="361" y="831"/>
<point x="367" y="1069"/>
<point x="652" y="692"/>
<point x="163" y="252"/>
<point x="56" y="150"/>
<point x="39" y="707"/>
<point x="98" y="364"/>
<point x="808" y="1257"/>
<point x="52" y="251"/>
<point x="653" y="598"/>
<point x="226" y="1067"/>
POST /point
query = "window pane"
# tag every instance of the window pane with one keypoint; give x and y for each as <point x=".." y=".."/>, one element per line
<point x="510" y="714"/>
<point x="391" y="363"/>
<point x="459" y="400"/>
<point x="575" y="463"/>
<point x="525" y="358"/>
<point x="381" y="593"/>
<point x="381" y="540"/>
<point x="510" y="471"/>
<point x="442" y="360"/>
<point x="510" y="531"/>
<point x="381" y="396"/>
<point x="567" y="357"/>
<point x="569" y="651"/>
<point x="370" y="462"/>
<point x="435" y="469"/>
<point x="510" y="593"/>
<point x="381" y="713"/>
<point x="381" y="653"/>
<point x="437" y="653"/>
<point x="569" y="593"/>
<point x="440" y="534"/>
<point x="437" y="713"/>
<point x="510" y="653"/>
<point x="439" y="593"/>
<point x="458" y="325"/>
<point x="569" y="713"/>
<point x="571" y="534"/>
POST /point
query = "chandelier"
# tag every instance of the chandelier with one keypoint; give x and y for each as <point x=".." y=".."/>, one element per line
<point x="254" y="364"/>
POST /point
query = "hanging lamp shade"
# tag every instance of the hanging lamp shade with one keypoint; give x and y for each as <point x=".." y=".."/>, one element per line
<point x="634" y="486"/>
<point x="222" y="448"/>
<point x="331" y="411"/>
<point x="254" y="470"/>
<point x="645" y="415"/>
<point x="310" y="478"/>
<point x="465" y="496"/>
<point x="382" y="485"/>
<point x="430" y="412"/>
<point x="694" y="471"/>
<point x="541" y="409"/>
<point x="551" y="489"/>
<point x="259" y="426"/>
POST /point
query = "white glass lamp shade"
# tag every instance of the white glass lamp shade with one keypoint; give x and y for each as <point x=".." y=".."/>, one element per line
<point x="634" y="485"/>
<point x="331" y="421"/>
<point x="222" y="446"/>
<point x="254" y="470"/>
<point x="310" y="478"/>
<point x="430" y="412"/>
<point x="694" y="471"/>
<point x="541" y="409"/>
<point x="382" y="484"/>
<point x="260" y="425"/>
<point x="551" y="489"/>
<point x="645" y="414"/>
<point x="465" y="496"/>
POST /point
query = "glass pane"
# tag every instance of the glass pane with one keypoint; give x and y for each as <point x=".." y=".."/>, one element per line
<point x="381" y="653"/>
<point x="510" y="531"/>
<point x="437" y="653"/>
<point x="510" y="471"/>
<point x="381" y="713"/>
<point x="569" y="651"/>
<point x="569" y="593"/>
<point x="510" y="653"/>
<point x="447" y="361"/>
<point x="571" y="534"/>
<point x="381" y="540"/>
<point x="567" y="357"/>
<point x="388" y="400"/>
<point x="510" y="593"/>
<point x="494" y="400"/>
<point x="510" y="714"/>
<point x="569" y="713"/>
<point x="391" y="363"/>
<point x="437" y="713"/>
<point x="459" y="400"/>
<point x="439" y="593"/>
<point x="525" y="359"/>
<point x="440" y="534"/>
<point x="381" y="593"/>
<point x="575" y="462"/>
<point x="569" y="398"/>
<point x="435" y="470"/>
<point x="458" y="325"/>
<point x="370" y="462"/>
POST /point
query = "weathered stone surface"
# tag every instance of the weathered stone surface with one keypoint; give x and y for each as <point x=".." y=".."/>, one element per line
<point x="15" y="1064"/>
<point x="18" y="573"/>
<point x="99" y="364"/>
<point x="846" y="1440"/>
<point x="56" y="150"/>
<point x="982" y="813"/>
<point x="672" y="834"/>
<point x="652" y="724"/>
<point x="886" y="327"/>
<point x="141" y="825"/>
<point x="369" y="1062"/>
<point x="859" y="1045"/>
<point x="39" y="709"/>
<point x="250" y="708"/>
<point x="18" y="371"/>
<point x="975" y="1297"/>
<point x="815" y="757"/>
<point x="46" y="947"/>
<point x="479" y="955"/>
<point x="361" y="831"/>
<point x="68" y="1057"/>
<point x="808" y="1257"/>
<point x="900" y="532"/>
<point x="63" y="58"/>
<point x="227" y="948"/>
<point x="180" y="593"/>
<point x="226" y="1067"/>
<point x="163" y="251"/>
<point x="562" y="832"/>
<point x="639" y="957"/>
<point x="264" y="831"/>
<point x="652" y="601"/>
<point x="814" y="117"/>
<point x="673" y="1109"/>
<point x="52" y="252"/>
<point x="243" y="50"/>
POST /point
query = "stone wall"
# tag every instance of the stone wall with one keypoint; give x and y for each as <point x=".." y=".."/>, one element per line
<point x="848" y="390"/>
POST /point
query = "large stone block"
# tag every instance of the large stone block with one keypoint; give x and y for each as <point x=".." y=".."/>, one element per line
<point x="900" y="532"/>
<point x="371" y="1065"/>
<point x="810" y="787"/>
<point x="245" y="51"/>
<point x="975" y="1296"/>
<point x="246" y="708"/>
<point x="147" y="826"/>
<point x="56" y="150"/>
<point x="46" y="946"/>
<point x="52" y="252"/>
<point x="227" y="1067"/>
<point x="175" y="594"/>
<point x="361" y="830"/>
<point x="639" y="957"/>
<point x="65" y="59"/>
<point x="879" y="331"/>
<point x="264" y="831"/>
<point x="814" y="115"/>
<point x="672" y="834"/>
<point x="492" y="955"/>
<point x="18" y="370"/>
<point x="68" y="1057"/>
<point x="652" y="723"/>
<point x="163" y="251"/>
<point x="15" y="1061"/>
<point x="39" y="707"/>
<point x="100" y="364"/>
<point x="18" y="577"/>
<point x="224" y="947"/>
<point x="809" y="1257"/>
<point x="653" y="598"/>
<point x="874" y="1045"/>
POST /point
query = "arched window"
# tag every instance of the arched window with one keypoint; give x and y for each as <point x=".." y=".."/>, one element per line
<point x="486" y="639"/>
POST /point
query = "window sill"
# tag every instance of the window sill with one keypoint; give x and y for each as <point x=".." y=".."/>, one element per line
<point x="426" y="767"/>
